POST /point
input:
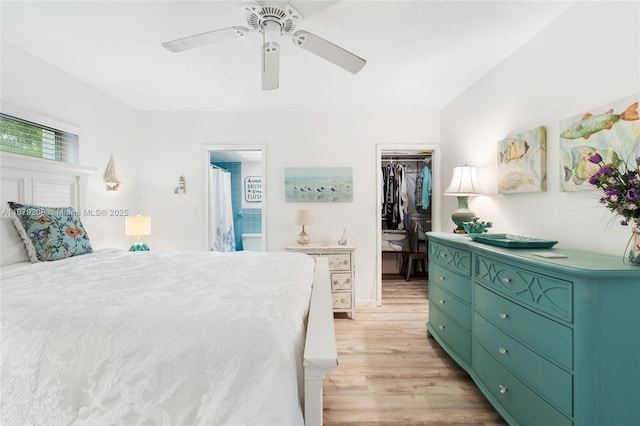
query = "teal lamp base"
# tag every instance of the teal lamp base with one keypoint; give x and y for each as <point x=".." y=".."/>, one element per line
<point x="139" y="246"/>
<point x="462" y="214"/>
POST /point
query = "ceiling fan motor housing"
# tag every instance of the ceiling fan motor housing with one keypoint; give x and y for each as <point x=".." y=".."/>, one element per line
<point x="265" y="16"/>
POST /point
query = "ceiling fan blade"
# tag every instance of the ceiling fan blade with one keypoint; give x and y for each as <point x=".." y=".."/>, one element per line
<point x="205" y="38"/>
<point x="329" y="51"/>
<point x="270" y="66"/>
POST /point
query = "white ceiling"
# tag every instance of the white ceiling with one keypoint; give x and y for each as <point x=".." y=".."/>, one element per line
<point x="420" y="54"/>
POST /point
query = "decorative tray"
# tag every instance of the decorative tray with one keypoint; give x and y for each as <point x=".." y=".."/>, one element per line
<point x="512" y="241"/>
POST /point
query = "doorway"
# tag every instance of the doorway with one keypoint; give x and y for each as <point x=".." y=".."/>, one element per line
<point x="400" y="236"/>
<point x="240" y="171"/>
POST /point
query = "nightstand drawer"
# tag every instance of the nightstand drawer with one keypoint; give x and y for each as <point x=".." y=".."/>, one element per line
<point x="339" y="262"/>
<point x="545" y="336"/>
<point x="452" y="282"/>
<point x="341" y="281"/>
<point x="539" y="291"/>
<point x="452" y="306"/>
<point x="546" y="378"/>
<point x="451" y="258"/>
<point x="341" y="300"/>
<point x="524" y="405"/>
<point x="454" y="337"/>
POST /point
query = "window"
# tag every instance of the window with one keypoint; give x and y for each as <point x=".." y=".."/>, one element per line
<point x="27" y="138"/>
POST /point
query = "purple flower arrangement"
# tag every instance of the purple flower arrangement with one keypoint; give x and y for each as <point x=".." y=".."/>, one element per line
<point x="621" y="189"/>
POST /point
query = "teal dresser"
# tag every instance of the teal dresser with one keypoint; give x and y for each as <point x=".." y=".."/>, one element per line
<point x="547" y="341"/>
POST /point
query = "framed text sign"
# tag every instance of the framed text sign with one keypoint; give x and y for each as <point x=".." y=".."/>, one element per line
<point x="253" y="189"/>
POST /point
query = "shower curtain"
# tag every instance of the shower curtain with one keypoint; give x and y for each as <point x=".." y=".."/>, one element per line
<point x="220" y="211"/>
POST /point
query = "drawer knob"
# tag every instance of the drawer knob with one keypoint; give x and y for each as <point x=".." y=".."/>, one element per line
<point x="441" y="327"/>
<point x="441" y="278"/>
<point x="503" y="350"/>
<point x="504" y="315"/>
<point x="441" y="301"/>
<point x="503" y="389"/>
<point x="506" y="280"/>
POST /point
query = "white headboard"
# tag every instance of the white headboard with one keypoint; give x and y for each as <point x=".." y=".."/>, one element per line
<point x="36" y="181"/>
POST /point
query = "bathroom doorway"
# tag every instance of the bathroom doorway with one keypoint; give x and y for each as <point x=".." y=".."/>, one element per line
<point x="234" y="197"/>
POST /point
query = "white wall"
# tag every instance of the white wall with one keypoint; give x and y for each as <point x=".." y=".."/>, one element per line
<point x="105" y="125"/>
<point x="587" y="58"/>
<point x="172" y="146"/>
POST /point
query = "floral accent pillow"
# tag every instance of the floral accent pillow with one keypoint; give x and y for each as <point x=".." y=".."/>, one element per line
<point x="50" y="233"/>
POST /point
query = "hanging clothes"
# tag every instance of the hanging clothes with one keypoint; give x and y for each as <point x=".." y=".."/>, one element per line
<point x="425" y="190"/>
<point x="394" y="194"/>
<point x="220" y="211"/>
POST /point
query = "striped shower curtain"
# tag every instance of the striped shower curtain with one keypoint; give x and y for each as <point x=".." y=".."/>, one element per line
<point x="222" y="237"/>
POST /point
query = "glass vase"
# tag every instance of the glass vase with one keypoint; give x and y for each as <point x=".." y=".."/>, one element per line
<point x="632" y="253"/>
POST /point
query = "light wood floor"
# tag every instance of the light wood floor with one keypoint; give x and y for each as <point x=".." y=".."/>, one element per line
<point x="390" y="373"/>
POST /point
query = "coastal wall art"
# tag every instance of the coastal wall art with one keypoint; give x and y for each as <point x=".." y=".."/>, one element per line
<point x="612" y="130"/>
<point x="318" y="184"/>
<point x="522" y="162"/>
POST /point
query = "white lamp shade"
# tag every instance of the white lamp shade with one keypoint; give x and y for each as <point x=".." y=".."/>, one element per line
<point x="464" y="182"/>
<point x="138" y="225"/>
<point x="304" y="217"/>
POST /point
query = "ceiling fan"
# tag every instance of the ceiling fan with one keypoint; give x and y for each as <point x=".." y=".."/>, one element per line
<point x="273" y="20"/>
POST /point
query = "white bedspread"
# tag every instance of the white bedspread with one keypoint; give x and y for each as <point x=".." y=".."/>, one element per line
<point x="155" y="338"/>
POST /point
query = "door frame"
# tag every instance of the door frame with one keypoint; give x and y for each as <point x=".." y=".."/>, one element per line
<point x="206" y="155"/>
<point x="435" y="196"/>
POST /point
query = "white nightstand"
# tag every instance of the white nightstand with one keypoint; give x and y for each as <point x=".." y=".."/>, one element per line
<point x="341" y="268"/>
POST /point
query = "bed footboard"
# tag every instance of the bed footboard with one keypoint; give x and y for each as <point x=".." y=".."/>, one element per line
<point x="320" y="353"/>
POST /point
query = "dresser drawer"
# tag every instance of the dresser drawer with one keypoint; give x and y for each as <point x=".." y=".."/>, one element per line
<point x="339" y="262"/>
<point x="523" y="404"/>
<point x="341" y="300"/>
<point x="452" y="282"/>
<point x="454" y="337"/>
<point x="539" y="291"/>
<point x="452" y="306"/>
<point x="341" y="281"/>
<point x="546" y="378"/>
<point x="543" y="335"/>
<point x="451" y="258"/>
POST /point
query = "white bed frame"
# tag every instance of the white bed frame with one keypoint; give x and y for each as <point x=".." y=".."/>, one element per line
<point x="33" y="181"/>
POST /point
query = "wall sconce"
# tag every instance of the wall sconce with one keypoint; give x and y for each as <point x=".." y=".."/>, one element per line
<point x="110" y="176"/>
<point x="304" y="217"/>
<point x="180" y="189"/>
<point x="464" y="184"/>
<point x="138" y="226"/>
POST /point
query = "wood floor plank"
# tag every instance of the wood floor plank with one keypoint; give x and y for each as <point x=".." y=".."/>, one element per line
<point x="390" y="373"/>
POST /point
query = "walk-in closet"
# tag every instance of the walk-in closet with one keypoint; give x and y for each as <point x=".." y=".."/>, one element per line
<point x="406" y="206"/>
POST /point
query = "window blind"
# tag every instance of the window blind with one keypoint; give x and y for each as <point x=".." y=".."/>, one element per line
<point x="27" y="138"/>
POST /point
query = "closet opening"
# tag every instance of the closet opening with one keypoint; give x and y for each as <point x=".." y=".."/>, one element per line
<point x="407" y="210"/>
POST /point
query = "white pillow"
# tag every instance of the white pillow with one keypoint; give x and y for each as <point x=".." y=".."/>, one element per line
<point x="12" y="249"/>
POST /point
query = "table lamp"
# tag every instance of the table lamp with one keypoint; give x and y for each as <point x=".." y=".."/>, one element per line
<point x="464" y="184"/>
<point x="138" y="226"/>
<point x="304" y="217"/>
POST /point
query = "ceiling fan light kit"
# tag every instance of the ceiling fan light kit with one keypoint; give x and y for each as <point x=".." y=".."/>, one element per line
<point x="273" y="20"/>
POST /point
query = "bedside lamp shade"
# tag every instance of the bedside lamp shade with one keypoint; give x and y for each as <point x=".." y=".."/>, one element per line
<point x="464" y="184"/>
<point x="304" y="217"/>
<point x="138" y="226"/>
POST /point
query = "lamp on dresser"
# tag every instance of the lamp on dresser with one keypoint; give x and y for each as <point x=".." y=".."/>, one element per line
<point x="464" y="184"/>
<point x="304" y="217"/>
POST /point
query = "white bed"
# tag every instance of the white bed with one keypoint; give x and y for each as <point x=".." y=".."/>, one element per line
<point x="114" y="337"/>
